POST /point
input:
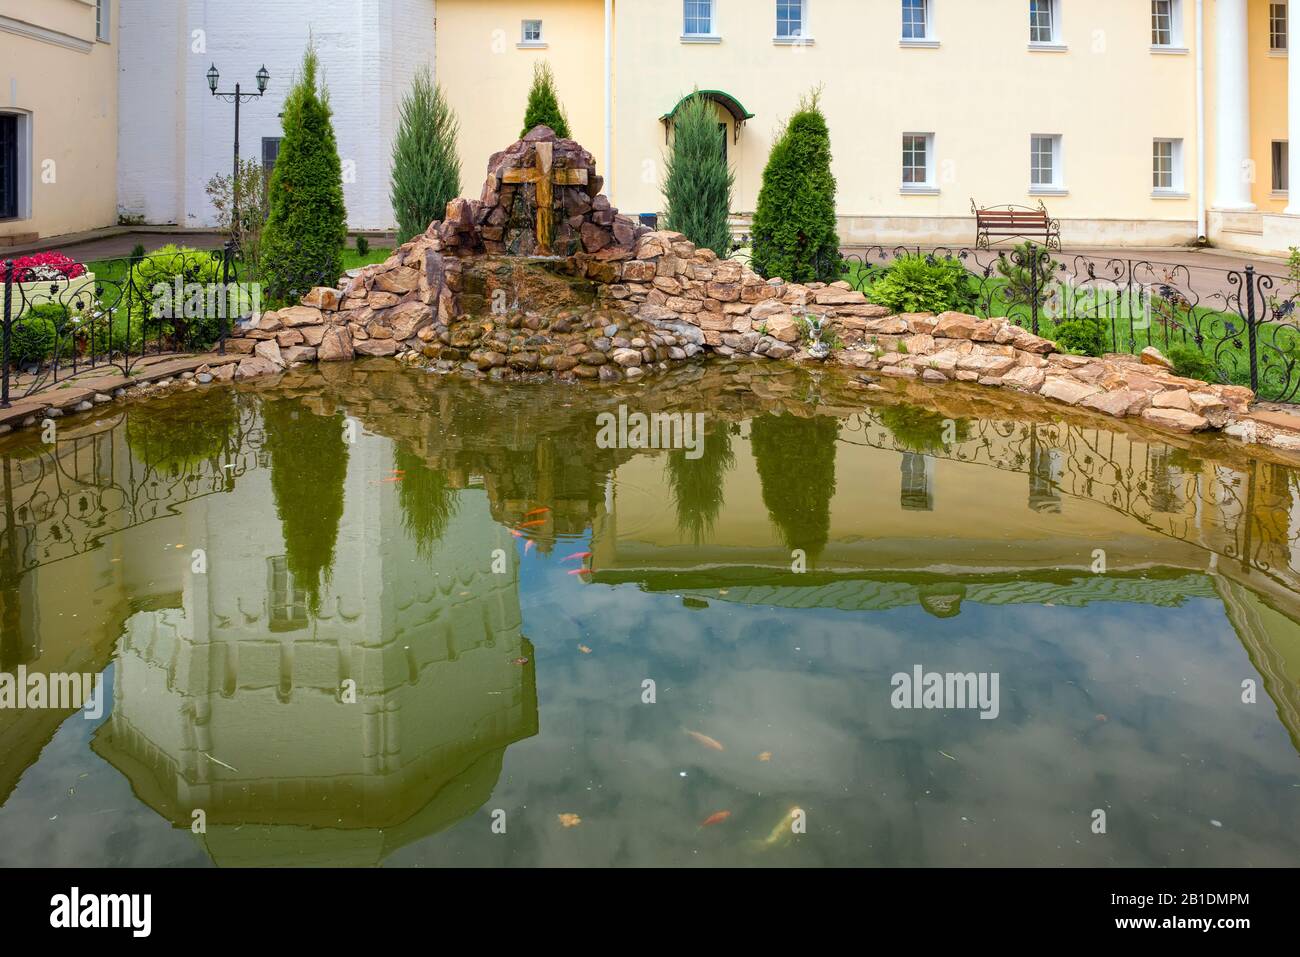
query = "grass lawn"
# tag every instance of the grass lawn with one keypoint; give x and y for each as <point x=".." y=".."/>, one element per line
<point x="114" y="270"/>
<point x="1224" y="331"/>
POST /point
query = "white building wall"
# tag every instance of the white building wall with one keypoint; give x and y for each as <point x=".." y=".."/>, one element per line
<point x="176" y="136"/>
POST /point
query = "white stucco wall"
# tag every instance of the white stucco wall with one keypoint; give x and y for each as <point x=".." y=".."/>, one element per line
<point x="175" y="136"/>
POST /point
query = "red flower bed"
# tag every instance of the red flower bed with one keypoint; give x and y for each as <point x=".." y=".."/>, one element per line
<point x="43" y="267"/>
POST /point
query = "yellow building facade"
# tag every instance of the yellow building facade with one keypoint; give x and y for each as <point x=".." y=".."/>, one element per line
<point x="58" y="117"/>
<point x="1136" y="122"/>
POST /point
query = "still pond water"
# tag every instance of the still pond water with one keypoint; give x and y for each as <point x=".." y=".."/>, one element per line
<point x="370" y="616"/>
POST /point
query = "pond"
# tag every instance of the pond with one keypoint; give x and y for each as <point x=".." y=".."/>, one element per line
<point x="363" y="615"/>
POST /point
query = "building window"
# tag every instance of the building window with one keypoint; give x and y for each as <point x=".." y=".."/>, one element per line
<point x="918" y="161"/>
<point x="1281" y="166"/>
<point x="699" y="18"/>
<point x="1042" y="21"/>
<point x="916" y="19"/>
<point x="8" y="166"/>
<point x="1166" y="23"/>
<point x="1277" y="13"/>
<point x="288" y="602"/>
<point x="791" y="19"/>
<point x="1044" y="163"/>
<point x="531" y="34"/>
<point x="103" y="18"/>
<point x="1167" y="166"/>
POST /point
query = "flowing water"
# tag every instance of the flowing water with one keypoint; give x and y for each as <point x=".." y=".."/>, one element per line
<point x="369" y="615"/>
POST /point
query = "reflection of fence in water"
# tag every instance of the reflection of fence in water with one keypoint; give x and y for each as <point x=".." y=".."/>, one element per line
<point x="1243" y="515"/>
<point x="62" y="501"/>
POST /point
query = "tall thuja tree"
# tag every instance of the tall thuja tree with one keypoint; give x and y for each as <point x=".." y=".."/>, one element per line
<point x="426" y="166"/>
<point x="698" y="183"/>
<point x="309" y="462"/>
<point x="795" y="458"/>
<point x="427" y="500"/>
<point x="697" y="483"/>
<point x="795" y="232"/>
<point x="302" y="245"/>
<point x="544" y="104"/>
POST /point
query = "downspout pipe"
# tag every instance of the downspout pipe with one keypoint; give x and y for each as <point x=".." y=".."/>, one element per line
<point x="1202" y="229"/>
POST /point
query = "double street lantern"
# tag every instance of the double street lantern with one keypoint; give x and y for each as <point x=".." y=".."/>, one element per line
<point x="237" y="97"/>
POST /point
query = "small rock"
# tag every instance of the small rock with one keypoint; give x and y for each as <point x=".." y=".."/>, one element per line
<point x="1152" y="356"/>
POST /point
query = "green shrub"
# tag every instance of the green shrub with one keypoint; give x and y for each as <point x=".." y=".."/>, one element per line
<point x="1025" y="285"/>
<point x="176" y="436"/>
<point x="924" y="284"/>
<point x="426" y="164"/>
<point x="544" y="104"/>
<point x="1191" y="363"/>
<point x="1082" y="336"/>
<point x="363" y="246"/>
<point x="35" y="332"/>
<point x="151" y="297"/>
<point x="302" y="245"/>
<point x="698" y="183"/>
<point x="796" y="235"/>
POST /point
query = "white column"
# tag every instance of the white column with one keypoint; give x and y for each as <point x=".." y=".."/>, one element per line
<point x="1232" y="187"/>
<point x="1293" y="104"/>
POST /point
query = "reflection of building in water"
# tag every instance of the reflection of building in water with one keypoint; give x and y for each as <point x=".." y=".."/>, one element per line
<point x="1164" y="477"/>
<point x="1045" y="467"/>
<point x="232" y="703"/>
<point x="916" y="494"/>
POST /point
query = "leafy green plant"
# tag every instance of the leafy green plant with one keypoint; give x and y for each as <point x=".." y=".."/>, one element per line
<point x="698" y="183"/>
<point x="544" y="107"/>
<point x="1030" y="275"/>
<point x="302" y="245"/>
<point x="1082" y="336"/>
<point x="924" y="284"/>
<point x="796" y="234"/>
<point x="35" y="333"/>
<point x="155" y="310"/>
<point x="426" y="164"/>
<point x="246" y="229"/>
<point x="1191" y="363"/>
<point x="363" y="246"/>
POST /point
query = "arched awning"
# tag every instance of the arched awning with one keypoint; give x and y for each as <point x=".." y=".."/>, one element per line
<point x="728" y="102"/>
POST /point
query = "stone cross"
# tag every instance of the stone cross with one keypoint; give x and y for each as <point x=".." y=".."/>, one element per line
<point x="545" y="176"/>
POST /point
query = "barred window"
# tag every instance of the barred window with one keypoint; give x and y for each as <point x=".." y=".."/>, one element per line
<point x="916" y="159"/>
<point x="916" y="25"/>
<point x="790" y="16"/>
<point x="1277" y="26"/>
<point x="1042" y="21"/>
<point x="699" y="18"/>
<point x="1162" y="23"/>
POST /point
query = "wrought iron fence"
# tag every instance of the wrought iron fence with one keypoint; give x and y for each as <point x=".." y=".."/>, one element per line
<point x="1241" y="323"/>
<point x="61" y="322"/>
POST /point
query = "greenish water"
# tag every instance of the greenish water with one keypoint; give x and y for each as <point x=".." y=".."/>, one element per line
<point x="370" y="616"/>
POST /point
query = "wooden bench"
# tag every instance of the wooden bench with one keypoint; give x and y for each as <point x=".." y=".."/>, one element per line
<point x="999" y="223"/>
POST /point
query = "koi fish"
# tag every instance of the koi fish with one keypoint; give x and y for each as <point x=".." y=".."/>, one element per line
<point x="576" y="557"/>
<point x="581" y="571"/>
<point x="765" y="756"/>
<point x="782" y="833"/>
<point x="716" y="818"/>
<point x="516" y="534"/>
<point x="584" y="649"/>
<point x="705" y="740"/>
<point x="532" y="524"/>
<point x="569" y="820"/>
<point x="519" y="661"/>
<point x="537" y="511"/>
<point x="528" y="546"/>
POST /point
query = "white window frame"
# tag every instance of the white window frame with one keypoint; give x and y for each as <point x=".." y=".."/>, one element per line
<point x="803" y="36"/>
<point x="1280" y="176"/>
<point x="1053" y="41"/>
<point x="1278" y="27"/>
<point x="25" y="141"/>
<point x="928" y="39"/>
<point x="104" y="21"/>
<point x="928" y="186"/>
<point x="532" y="44"/>
<point x="711" y="36"/>
<point x="1177" y="188"/>
<point x="1057" y="185"/>
<point x="1175" y="42"/>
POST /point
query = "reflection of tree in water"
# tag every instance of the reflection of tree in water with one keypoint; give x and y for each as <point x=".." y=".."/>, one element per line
<point x="178" y="434"/>
<point x="697" y="483"/>
<point x="796" y="466"/>
<point x="309" y="462"/>
<point x="921" y="430"/>
<point x="426" y="497"/>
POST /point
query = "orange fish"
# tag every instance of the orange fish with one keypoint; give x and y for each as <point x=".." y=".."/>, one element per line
<point x="537" y="511"/>
<point x="520" y="661"/>
<point x="581" y="571"/>
<point x="717" y="818"/>
<point x="584" y="649"/>
<point x="576" y="556"/>
<point x="705" y="740"/>
<point x="765" y="756"/>
<point x="516" y="534"/>
<point x="532" y="524"/>
<point x="528" y="546"/>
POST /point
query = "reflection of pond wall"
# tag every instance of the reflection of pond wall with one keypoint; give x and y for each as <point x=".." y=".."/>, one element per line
<point x="230" y="703"/>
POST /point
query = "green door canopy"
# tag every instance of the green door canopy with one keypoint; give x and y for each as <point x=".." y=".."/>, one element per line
<point x="725" y="100"/>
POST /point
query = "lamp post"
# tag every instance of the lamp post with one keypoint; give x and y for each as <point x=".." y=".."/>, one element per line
<point x="237" y="97"/>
